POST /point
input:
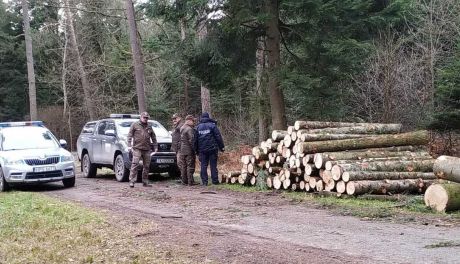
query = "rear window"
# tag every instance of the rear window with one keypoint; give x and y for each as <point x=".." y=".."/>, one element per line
<point x="123" y="128"/>
<point x="88" y="128"/>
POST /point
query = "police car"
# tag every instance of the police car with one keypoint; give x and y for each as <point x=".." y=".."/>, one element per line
<point x="30" y="153"/>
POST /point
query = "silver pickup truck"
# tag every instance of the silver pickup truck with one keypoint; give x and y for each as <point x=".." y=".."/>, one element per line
<point x="103" y="143"/>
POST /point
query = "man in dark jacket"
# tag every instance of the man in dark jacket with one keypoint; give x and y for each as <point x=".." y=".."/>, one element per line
<point x="175" y="146"/>
<point x="207" y="144"/>
<point x="187" y="150"/>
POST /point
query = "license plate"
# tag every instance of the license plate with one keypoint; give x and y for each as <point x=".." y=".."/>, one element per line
<point x="44" y="169"/>
<point x="166" y="161"/>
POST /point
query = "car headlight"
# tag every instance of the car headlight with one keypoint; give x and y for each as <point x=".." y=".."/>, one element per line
<point x="14" y="162"/>
<point x="66" y="158"/>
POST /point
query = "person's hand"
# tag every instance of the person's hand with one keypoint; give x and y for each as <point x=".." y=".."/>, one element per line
<point x="130" y="149"/>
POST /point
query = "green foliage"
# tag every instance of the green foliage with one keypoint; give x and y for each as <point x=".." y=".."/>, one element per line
<point x="448" y="95"/>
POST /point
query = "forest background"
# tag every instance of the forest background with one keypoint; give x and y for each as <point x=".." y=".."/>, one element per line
<point x="254" y="65"/>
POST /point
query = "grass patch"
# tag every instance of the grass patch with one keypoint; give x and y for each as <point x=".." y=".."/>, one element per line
<point x="239" y="188"/>
<point x="35" y="228"/>
<point x="444" y="244"/>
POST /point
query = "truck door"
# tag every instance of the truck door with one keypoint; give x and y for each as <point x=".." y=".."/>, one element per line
<point x="97" y="142"/>
<point x="108" y="144"/>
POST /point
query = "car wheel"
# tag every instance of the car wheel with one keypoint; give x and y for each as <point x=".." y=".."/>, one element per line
<point x="121" y="172"/>
<point x="88" y="169"/>
<point x="69" y="182"/>
<point x="4" y="186"/>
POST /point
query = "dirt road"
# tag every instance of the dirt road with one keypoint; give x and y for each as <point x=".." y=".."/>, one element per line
<point x="208" y="224"/>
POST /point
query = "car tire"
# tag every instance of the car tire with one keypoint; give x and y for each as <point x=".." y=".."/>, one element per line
<point x="120" y="170"/>
<point x="88" y="168"/>
<point x="4" y="186"/>
<point x="69" y="182"/>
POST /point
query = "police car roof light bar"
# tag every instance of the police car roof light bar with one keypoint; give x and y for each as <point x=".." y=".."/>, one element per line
<point x="19" y="124"/>
<point x="124" y="116"/>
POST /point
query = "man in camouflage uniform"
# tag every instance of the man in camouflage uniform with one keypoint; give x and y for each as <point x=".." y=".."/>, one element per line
<point x="141" y="141"/>
<point x="175" y="146"/>
<point x="187" y="152"/>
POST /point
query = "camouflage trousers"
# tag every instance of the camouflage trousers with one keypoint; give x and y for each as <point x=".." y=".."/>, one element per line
<point x="139" y="155"/>
<point x="187" y="168"/>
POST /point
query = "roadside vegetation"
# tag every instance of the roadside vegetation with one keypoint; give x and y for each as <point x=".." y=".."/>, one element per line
<point x="406" y="207"/>
<point x="35" y="228"/>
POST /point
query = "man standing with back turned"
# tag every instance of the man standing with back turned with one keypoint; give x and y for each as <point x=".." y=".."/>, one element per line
<point x="208" y="142"/>
<point x="141" y="141"/>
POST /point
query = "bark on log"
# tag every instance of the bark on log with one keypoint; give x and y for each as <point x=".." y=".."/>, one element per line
<point x="275" y="170"/>
<point x="409" y="166"/>
<point x="322" y="158"/>
<point x="411" y="138"/>
<point x="385" y="175"/>
<point x="384" y="187"/>
<point x="329" y="164"/>
<point x="443" y="197"/>
<point x="307" y="136"/>
<point x="357" y="130"/>
<point x="447" y="168"/>
<point x="318" y="124"/>
<point x="269" y="147"/>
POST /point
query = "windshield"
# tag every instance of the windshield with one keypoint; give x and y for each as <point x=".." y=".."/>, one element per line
<point x="18" y="138"/>
<point x="123" y="128"/>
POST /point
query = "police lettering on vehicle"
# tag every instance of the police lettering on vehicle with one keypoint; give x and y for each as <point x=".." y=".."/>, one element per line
<point x="204" y="132"/>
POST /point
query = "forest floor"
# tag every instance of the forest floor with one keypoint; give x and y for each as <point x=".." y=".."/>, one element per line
<point x="217" y="225"/>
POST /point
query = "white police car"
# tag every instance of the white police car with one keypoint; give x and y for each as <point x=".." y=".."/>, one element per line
<point x="30" y="153"/>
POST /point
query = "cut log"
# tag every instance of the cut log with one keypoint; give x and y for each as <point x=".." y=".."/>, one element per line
<point x="340" y="186"/>
<point x="319" y="124"/>
<point x="302" y="185"/>
<point x="307" y="136"/>
<point x="259" y="153"/>
<point x="443" y="197"/>
<point x="294" y="187"/>
<point x="336" y="172"/>
<point x="290" y="130"/>
<point x="447" y="168"/>
<point x="307" y="187"/>
<point x="280" y="159"/>
<point x="246" y="159"/>
<point x="312" y="182"/>
<point x="269" y="182"/>
<point x="310" y="170"/>
<point x="287" y="141"/>
<point x="276" y="182"/>
<point x="273" y="170"/>
<point x="391" y="165"/>
<point x="278" y="135"/>
<point x="330" y="163"/>
<point x="221" y="178"/>
<point x="319" y="186"/>
<point x="253" y="181"/>
<point x="294" y="137"/>
<point x="306" y="159"/>
<point x="233" y="180"/>
<point x="269" y="147"/>
<point x="233" y="174"/>
<point x="357" y="130"/>
<point x="384" y="187"/>
<point x="411" y="138"/>
<point x="385" y="175"/>
<point x="251" y="169"/>
<point x="286" y="184"/>
<point x="267" y="165"/>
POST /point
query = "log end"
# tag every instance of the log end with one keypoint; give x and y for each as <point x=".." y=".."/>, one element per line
<point x="436" y="197"/>
<point x="350" y="188"/>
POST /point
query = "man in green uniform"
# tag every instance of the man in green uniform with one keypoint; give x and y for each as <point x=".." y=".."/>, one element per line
<point x="141" y="141"/>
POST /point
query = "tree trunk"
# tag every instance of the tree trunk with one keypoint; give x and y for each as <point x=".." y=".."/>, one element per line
<point x="447" y="168"/>
<point x="274" y="62"/>
<point x="202" y="32"/>
<point x="81" y="69"/>
<point x="385" y="175"/>
<point x="384" y="187"/>
<point x="443" y="197"/>
<point x="30" y="62"/>
<point x="408" y="166"/>
<point x="261" y="89"/>
<point x="318" y="124"/>
<point x="183" y="27"/>
<point x="137" y="56"/>
<point x="411" y="138"/>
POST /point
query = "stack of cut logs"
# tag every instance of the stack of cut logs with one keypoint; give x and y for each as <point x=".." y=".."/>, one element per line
<point x="351" y="158"/>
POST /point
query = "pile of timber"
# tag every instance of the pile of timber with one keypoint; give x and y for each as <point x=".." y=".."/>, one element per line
<point x="444" y="197"/>
<point x="351" y="158"/>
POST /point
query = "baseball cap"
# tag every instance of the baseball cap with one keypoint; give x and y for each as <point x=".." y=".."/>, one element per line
<point x="190" y="117"/>
<point x="176" y="115"/>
